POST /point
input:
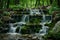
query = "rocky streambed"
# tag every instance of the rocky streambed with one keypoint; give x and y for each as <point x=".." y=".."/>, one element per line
<point x="16" y="36"/>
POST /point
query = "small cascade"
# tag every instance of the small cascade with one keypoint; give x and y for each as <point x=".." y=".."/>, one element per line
<point x="18" y="24"/>
<point x="34" y="12"/>
<point x="44" y="28"/>
<point x="43" y="18"/>
<point x="24" y="18"/>
<point x="12" y="28"/>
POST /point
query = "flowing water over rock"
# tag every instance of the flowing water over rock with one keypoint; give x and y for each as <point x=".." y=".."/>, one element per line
<point x="12" y="28"/>
<point x="44" y="29"/>
<point x="18" y="24"/>
<point x="35" y="12"/>
<point x="25" y="18"/>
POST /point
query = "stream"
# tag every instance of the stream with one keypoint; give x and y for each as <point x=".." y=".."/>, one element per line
<point x="25" y="18"/>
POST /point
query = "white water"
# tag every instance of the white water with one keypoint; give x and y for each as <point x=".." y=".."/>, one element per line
<point x="12" y="28"/>
<point x="34" y="12"/>
<point x="42" y="32"/>
<point x="24" y="18"/>
<point x="43" y="18"/>
<point x="44" y="29"/>
<point x="18" y="24"/>
<point x="23" y="21"/>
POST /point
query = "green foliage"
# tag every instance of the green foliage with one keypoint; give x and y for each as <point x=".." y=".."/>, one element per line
<point x="51" y="25"/>
<point x="30" y="29"/>
<point x="1" y="23"/>
<point x="35" y="20"/>
<point x="6" y="13"/>
<point x="53" y="9"/>
<point x="11" y="2"/>
<point x="29" y="3"/>
<point x="52" y="36"/>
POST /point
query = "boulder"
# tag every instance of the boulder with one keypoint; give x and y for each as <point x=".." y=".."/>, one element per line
<point x="6" y="18"/>
<point x="57" y="27"/>
<point x="56" y="16"/>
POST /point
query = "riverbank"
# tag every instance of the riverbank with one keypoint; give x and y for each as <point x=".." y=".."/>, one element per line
<point x="17" y="36"/>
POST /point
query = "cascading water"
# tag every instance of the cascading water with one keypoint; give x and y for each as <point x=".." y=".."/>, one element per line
<point x="44" y="28"/>
<point x="43" y="31"/>
<point x="18" y="24"/>
<point x="43" y="18"/>
<point x="12" y="28"/>
<point x="24" y="18"/>
<point x="34" y="12"/>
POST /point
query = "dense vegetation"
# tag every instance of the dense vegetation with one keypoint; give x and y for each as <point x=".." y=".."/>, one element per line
<point x="11" y="11"/>
<point x="27" y="3"/>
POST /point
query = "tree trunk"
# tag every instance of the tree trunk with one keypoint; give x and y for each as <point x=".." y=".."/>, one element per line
<point x="43" y="2"/>
<point x="8" y="1"/>
<point x="51" y="1"/>
<point x="1" y="4"/>
<point x="58" y="2"/>
<point x="16" y="2"/>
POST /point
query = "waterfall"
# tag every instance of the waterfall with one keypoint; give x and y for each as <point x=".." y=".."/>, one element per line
<point x="24" y="18"/>
<point x="12" y="28"/>
<point x="44" y="29"/>
<point x="43" y="18"/>
<point x="18" y="24"/>
<point x="34" y="12"/>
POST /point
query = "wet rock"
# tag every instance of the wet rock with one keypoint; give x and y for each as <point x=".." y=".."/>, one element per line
<point x="4" y="28"/>
<point x="56" y="16"/>
<point x="20" y="39"/>
<point x="57" y="27"/>
<point x="17" y="36"/>
<point x="6" y="19"/>
<point x="25" y="35"/>
<point x="34" y="38"/>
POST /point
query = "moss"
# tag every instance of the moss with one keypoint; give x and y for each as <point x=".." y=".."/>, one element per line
<point x="31" y="29"/>
<point x="35" y="20"/>
<point x="1" y="23"/>
<point x="51" y="25"/>
<point x="6" y="13"/>
<point x="52" y="36"/>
